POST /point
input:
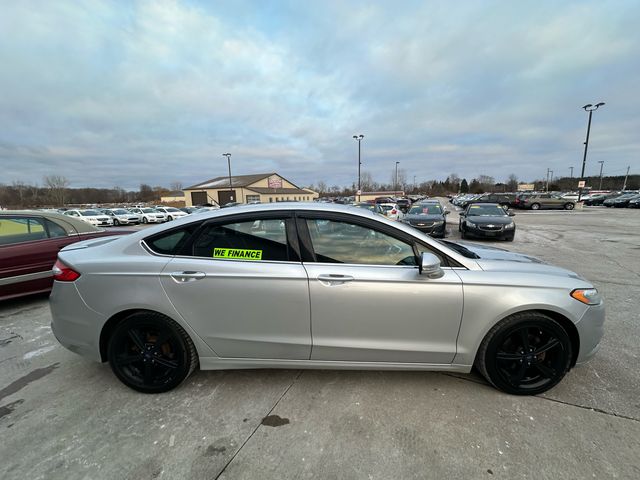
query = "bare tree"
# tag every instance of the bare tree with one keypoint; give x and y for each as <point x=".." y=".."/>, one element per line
<point x="322" y="187"/>
<point x="175" y="186"/>
<point x="57" y="186"/>
<point x="512" y="183"/>
<point x="21" y="189"/>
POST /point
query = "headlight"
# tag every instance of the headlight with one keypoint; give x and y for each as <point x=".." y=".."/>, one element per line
<point x="509" y="225"/>
<point x="470" y="224"/>
<point x="439" y="222"/>
<point x="588" y="296"/>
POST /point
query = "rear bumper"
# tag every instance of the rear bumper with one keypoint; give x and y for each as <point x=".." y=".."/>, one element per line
<point x="591" y="330"/>
<point x="74" y="324"/>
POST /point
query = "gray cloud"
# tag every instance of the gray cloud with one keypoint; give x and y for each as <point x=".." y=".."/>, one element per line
<point x="118" y="94"/>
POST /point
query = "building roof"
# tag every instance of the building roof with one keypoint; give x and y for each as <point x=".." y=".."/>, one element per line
<point x="290" y="191"/>
<point x="236" y="181"/>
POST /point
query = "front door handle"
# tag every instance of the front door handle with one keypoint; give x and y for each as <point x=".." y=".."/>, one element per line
<point x="188" y="276"/>
<point x="335" y="279"/>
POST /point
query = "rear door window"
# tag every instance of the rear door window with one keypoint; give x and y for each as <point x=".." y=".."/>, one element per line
<point x="248" y="240"/>
<point x="21" y="229"/>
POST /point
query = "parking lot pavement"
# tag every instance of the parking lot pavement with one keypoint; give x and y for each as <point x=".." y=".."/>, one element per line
<point x="64" y="417"/>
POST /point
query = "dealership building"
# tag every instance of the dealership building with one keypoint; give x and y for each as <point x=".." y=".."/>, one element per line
<point x="260" y="187"/>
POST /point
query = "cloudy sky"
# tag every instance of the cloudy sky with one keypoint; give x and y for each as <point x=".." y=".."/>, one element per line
<point x="113" y="93"/>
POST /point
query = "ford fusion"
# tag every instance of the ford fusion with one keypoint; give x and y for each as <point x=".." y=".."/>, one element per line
<point x="299" y="285"/>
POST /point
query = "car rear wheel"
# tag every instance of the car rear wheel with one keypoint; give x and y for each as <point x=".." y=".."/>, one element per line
<point x="525" y="354"/>
<point x="568" y="206"/>
<point x="151" y="353"/>
<point x="535" y="206"/>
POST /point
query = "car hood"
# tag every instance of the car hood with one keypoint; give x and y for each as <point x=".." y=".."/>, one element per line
<point x="489" y="220"/>
<point x="423" y="218"/>
<point x="498" y="259"/>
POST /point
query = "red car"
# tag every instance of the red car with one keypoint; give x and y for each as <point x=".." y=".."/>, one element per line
<point x="29" y="245"/>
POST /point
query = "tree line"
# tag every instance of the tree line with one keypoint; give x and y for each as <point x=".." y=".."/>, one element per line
<point x="55" y="192"/>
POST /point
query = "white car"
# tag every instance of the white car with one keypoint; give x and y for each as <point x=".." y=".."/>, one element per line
<point x="571" y="196"/>
<point x="172" y="213"/>
<point x="392" y="211"/>
<point x="149" y="215"/>
<point x="94" y="217"/>
<point x="121" y="216"/>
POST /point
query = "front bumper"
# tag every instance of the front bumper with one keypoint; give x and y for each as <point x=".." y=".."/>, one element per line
<point x="433" y="230"/>
<point x="480" y="233"/>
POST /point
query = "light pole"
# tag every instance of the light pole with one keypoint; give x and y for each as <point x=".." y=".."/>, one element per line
<point x="395" y="187"/>
<point x="551" y="172"/>
<point x="587" y="108"/>
<point x="359" y="139"/>
<point x="601" y="162"/>
<point x="228" y="155"/>
<point x="571" y="168"/>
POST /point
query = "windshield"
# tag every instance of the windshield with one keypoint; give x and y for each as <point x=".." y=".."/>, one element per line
<point x="486" y="211"/>
<point x="148" y="210"/>
<point x="171" y="209"/>
<point x="120" y="211"/>
<point x="386" y="208"/>
<point x="431" y="209"/>
<point x="90" y="213"/>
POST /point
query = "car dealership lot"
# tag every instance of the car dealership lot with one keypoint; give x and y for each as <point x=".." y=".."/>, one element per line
<point x="64" y="417"/>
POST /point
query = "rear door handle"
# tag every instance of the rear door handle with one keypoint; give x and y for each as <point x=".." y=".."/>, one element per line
<point x="335" y="279"/>
<point x="188" y="276"/>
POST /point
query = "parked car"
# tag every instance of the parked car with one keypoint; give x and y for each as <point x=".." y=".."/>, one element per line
<point x="598" y="199"/>
<point x="381" y="295"/>
<point x="519" y="201"/>
<point x="149" y="215"/>
<point x="172" y="213"/>
<point x="634" y="202"/>
<point x="189" y="209"/>
<point x="487" y="220"/>
<point x="94" y="217"/>
<point x="121" y="216"/>
<point x="404" y="204"/>
<point x="391" y="210"/>
<point x="428" y="217"/>
<point x="29" y="245"/>
<point x="620" y="201"/>
<point x="373" y="207"/>
<point x="505" y="199"/>
<point x="571" y="196"/>
<point x="548" y="200"/>
<point x="384" y="200"/>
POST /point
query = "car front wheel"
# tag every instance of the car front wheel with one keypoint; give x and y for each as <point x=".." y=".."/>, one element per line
<point x="525" y="354"/>
<point x="151" y="353"/>
<point x="116" y="222"/>
<point x="144" y="220"/>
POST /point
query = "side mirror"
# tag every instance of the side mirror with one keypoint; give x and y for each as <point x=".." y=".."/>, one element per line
<point x="430" y="265"/>
<point x="462" y="214"/>
<point x="511" y="214"/>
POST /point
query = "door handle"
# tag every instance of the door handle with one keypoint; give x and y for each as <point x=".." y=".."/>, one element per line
<point x="335" y="279"/>
<point x="188" y="276"/>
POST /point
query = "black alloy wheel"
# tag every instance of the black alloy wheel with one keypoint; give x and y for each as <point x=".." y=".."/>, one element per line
<point x="151" y="353"/>
<point x="525" y="354"/>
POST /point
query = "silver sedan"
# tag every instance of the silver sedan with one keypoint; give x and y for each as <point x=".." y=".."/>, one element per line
<point x="318" y="286"/>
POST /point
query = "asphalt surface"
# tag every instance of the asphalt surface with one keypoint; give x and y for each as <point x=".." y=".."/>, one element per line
<point x="64" y="417"/>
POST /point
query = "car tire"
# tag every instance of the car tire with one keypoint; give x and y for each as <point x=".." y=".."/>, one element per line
<point x="463" y="234"/>
<point x="169" y="218"/>
<point x="141" y="363"/>
<point x="535" y="206"/>
<point x="116" y="222"/>
<point x="568" y="206"/>
<point x="509" y="238"/>
<point x="144" y="220"/>
<point x="509" y="355"/>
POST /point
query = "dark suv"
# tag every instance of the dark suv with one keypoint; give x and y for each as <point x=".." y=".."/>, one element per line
<point x="504" y="199"/>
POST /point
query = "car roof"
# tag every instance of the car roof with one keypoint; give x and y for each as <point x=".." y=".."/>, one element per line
<point x="65" y="221"/>
<point x="483" y="204"/>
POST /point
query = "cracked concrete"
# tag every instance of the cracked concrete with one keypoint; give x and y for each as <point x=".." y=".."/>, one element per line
<point x="77" y="421"/>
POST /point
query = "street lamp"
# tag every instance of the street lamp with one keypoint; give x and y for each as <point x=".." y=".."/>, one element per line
<point x="228" y="155"/>
<point x="601" y="162"/>
<point x="359" y="139"/>
<point x="587" y="108"/>
<point x="395" y="187"/>
<point x="571" y="168"/>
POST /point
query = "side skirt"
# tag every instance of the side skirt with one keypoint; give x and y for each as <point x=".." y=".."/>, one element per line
<point x="215" y="363"/>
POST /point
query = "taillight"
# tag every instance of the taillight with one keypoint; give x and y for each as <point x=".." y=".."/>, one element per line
<point x="64" y="273"/>
<point x="394" y="211"/>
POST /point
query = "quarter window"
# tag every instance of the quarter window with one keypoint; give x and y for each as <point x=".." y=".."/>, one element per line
<point x="254" y="240"/>
<point x="342" y="242"/>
